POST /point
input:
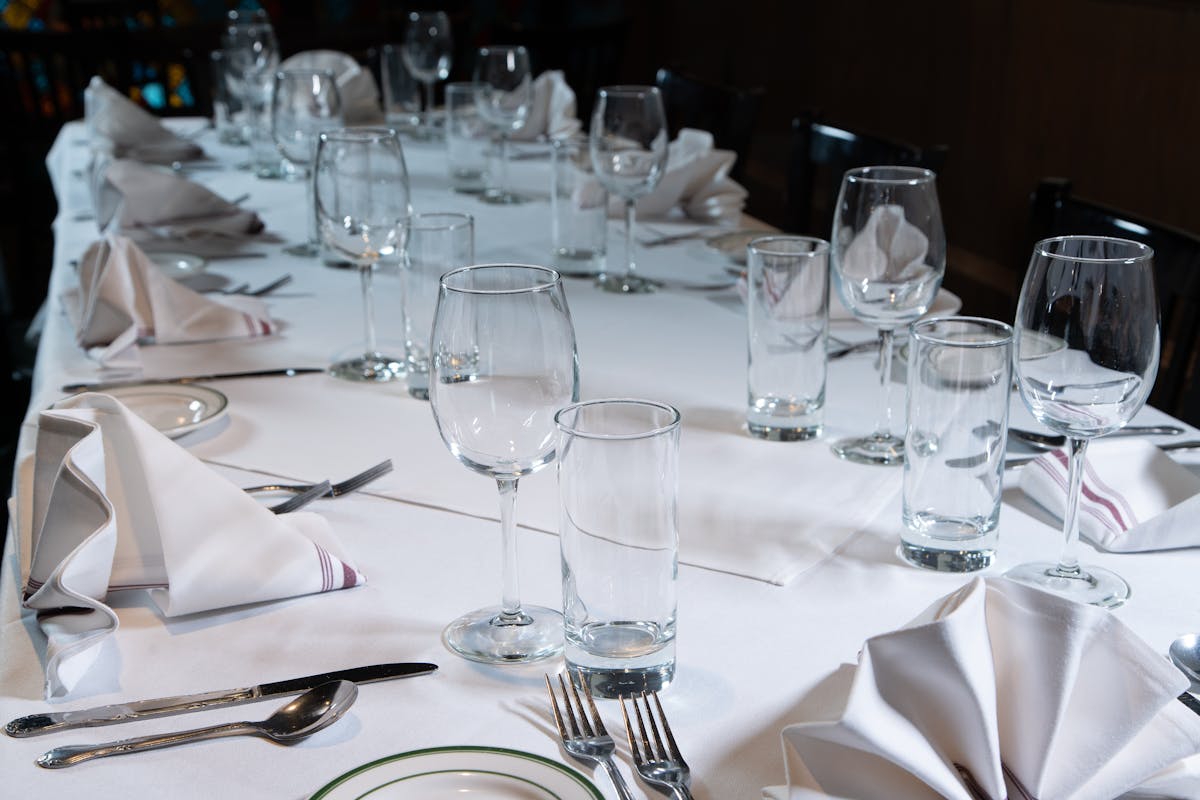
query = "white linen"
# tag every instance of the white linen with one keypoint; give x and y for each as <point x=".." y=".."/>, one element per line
<point x="552" y="110"/>
<point x="888" y="244"/>
<point x="121" y="128"/>
<point x="116" y="505"/>
<point x="1134" y="497"/>
<point x="696" y="182"/>
<point x="356" y="86"/>
<point x="1071" y="700"/>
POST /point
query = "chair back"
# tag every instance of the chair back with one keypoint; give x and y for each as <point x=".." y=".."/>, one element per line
<point x="1054" y="211"/>
<point x="728" y="113"/>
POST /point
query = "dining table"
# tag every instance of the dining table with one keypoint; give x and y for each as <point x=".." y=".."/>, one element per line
<point x="788" y="556"/>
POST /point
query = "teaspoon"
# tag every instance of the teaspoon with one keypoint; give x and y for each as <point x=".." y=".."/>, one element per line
<point x="312" y="711"/>
<point x="1047" y="441"/>
<point x="1185" y="654"/>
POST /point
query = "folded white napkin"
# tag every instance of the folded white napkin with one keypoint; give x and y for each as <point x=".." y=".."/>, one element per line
<point x="888" y="242"/>
<point x="1134" y="497"/>
<point x="116" y="505"/>
<point x="696" y="181"/>
<point x="120" y="127"/>
<point x="552" y="112"/>
<point x="356" y="86"/>
<point x="124" y="297"/>
<point x="1063" y="694"/>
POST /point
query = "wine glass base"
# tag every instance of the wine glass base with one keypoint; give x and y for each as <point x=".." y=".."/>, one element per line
<point x="1092" y="585"/>
<point x="375" y="368"/>
<point x="305" y="250"/>
<point x="883" y="450"/>
<point x="488" y="636"/>
<point x="624" y="284"/>
<point x="501" y="197"/>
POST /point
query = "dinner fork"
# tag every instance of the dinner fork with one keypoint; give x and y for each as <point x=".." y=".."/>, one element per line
<point x="302" y="499"/>
<point x="588" y="741"/>
<point x="244" y="289"/>
<point x="659" y="763"/>
<point x="331" y="490"/>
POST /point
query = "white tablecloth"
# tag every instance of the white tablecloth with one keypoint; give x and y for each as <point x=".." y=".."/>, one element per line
<point x="749" y="649"/>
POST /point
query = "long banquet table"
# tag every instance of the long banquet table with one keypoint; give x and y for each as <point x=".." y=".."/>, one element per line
<point x="788" y="555"/>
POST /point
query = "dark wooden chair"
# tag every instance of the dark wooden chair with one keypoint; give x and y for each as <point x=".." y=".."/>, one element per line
<point x="1055" y="211"/>
<point x="727" y="112"/>
<point x="822" y="153"/>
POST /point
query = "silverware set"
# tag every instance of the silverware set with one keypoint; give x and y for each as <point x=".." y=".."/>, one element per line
<point x="305" y="493"/>
<point x="652" y="746"/>
<point x="244" y="288"/>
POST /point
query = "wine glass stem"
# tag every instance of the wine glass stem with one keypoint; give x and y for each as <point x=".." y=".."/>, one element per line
<point x="428" y="100"/>
<point x="630" y="213"/>
<point x="883" y="416"/>
<point x="310" y="191"/>
<point x="510" y="602"/>
<point x="365" y="272"/>
<point x="1068" y="564"/>
<point x="502" y="178"/>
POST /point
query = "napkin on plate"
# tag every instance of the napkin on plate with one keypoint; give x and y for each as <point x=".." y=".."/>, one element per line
<point x="696" y="181"/>
<point x="123" y="297"/>
<point x="356" y="86"/>
<point x="116" y="505"/>
<point x="1063" y="694"/>
<point x="552" y="112"/>
<point x="886" y="242"/>
<point x="1134" y="496"/>
<point x="120" y="127"/>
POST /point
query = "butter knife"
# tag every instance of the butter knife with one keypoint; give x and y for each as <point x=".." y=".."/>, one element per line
<point x="37" y="724"/>
<point x="217" y="376"/>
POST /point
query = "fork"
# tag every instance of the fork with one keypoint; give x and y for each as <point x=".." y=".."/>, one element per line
<point x="660" y="764"/>
<point x="302" y="499"/>
<point x="331" y="490"/>
<point x="589" y="743"/>
<point x="244" y="289"/>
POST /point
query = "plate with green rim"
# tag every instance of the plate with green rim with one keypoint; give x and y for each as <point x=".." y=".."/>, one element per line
<point x="482" y="773"/>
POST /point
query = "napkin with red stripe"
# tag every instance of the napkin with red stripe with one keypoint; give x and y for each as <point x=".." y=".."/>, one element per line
<point x="1134" y="496"/>
<point x="115" y="505"/>
<point x="122" y="128"/>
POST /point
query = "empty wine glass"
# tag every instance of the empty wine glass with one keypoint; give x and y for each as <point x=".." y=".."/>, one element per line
<point x="305" y="103"/>
<point x="251" y="55"/>
<point x="362" y="198"/>
<point x="503" y="363"/>
<point x="628" y="142"/>
<point x="426" y="52"/>
<point x="889" y="255"/>
<point x="503" y="95"/>
<point x="1095" y="298"/>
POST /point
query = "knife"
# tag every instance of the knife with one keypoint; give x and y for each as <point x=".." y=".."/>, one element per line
<point x="219" y="376"/>
<point x="37" y="724"/>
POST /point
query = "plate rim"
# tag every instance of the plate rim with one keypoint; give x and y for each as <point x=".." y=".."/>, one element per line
<point x="201" y="263"/>
<point x="218" y="399"/>
<point x="583" y="782"/>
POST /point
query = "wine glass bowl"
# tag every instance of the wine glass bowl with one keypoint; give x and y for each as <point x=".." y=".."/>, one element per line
<point x="1096" y="295"/>
<point x="503" y="95"/>
<point x="888" y="249"/>
<point x="426" y="51"/>
<point x="628" y="144"/>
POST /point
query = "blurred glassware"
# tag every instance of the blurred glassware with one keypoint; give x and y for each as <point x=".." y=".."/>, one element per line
<point x="427" y="51"/>
<point x="503" y="96"/>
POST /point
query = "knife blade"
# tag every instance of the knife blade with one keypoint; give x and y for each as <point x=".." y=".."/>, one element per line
<point x="37" y="724"/>
<point x="217" y="376"/>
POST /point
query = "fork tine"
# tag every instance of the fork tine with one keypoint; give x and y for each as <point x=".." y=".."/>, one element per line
<point x="587" y="692"/>
<point x="361" y="479"/>
<point x="659" y="752"/>
<point x="558" y="720"/>
<point x="583" y="716"/>
<point x="304" y="498"/>
<point x="633" y="745"/>
<point x="570" y="709"/>
<point x="667" y="730"/>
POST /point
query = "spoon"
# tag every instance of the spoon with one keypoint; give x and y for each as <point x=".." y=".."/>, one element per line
<point x="1046" y="441"/>
<point x="1185" y="654"/>
<point x="312" y="711"/>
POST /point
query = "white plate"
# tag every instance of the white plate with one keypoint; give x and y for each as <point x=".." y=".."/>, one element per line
<point x="479" y="773"/>
<point x="178" y="265"/>
<point x="174" y="409"/>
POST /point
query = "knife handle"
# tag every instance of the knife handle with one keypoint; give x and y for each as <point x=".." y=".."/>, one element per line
<point x="38" y="724"/>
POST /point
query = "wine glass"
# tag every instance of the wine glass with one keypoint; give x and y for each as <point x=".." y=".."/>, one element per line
<point x="503" y="363"/>
<point x="1095" y="298"/>
<point x="503" y="96"/>
<point x="426" y="52"/>
<point x="251" y="55"/>
<point x="628" y="142"/>
<point x="362" y="200"/>
<point x="305" y="102"/>
<point x="889" y="255"/>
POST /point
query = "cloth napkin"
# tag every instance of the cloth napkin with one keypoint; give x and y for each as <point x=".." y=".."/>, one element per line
<point x="696" y="181"/>
<point x="1134" y="497"/>
<point x="552" y="111"/>
<point x="118" y="506"/>
<point x="356" y="86"/>
<point x="887" y="244"/>
<point x="1069" y="699"/>
<point x="120" y="127"/>
<point x="123" y="297"/>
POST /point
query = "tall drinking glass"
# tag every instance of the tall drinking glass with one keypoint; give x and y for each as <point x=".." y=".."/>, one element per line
<point x="251" y="55"/>
<point x="362" y="197"/>
<point x="503" y="96"/>
<point x="889" y="256"/>
<point x="628" y="142"/>
<point x="1094" y="298"/>
<point x="503" y="363"/>
<point x="305" y="103"/>
<point x="426" y="51"/>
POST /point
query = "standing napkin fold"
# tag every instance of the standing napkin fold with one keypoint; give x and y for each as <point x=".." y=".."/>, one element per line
<point x="888" y="241"/>
<point x="696" y="181"/>
<point x="552" y="111"/>
<point x="121" y="128"/>
<point x="116" y="505"/>
<point x="1134" y="496"/>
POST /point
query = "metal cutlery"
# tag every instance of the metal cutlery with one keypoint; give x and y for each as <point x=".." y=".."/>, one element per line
<point x="244" y="289"/>
<point x="675" y="237"/>
<point x="351" y="484"/>
<point x="850" y="349"/>
<point x="659" y="763"/>
<point x="1049" y="441"/>
<point x="588" y="741"/>
<point x="310" y="493"/>
<point x="1016" y="461"/>
<point x="661" y="283"/>
<point x="99" y="386"/>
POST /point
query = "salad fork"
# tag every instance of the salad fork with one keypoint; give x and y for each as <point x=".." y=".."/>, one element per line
<point x="588" y="741"/>
<point x="659" y="762"/>
<point x="331" y="490"/>
<point x="302" y="499"/>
